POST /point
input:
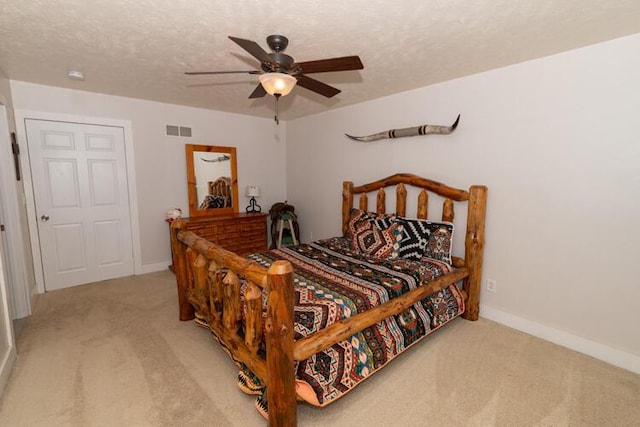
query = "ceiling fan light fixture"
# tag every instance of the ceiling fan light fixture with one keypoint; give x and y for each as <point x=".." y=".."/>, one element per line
<point x="277" y="83"/>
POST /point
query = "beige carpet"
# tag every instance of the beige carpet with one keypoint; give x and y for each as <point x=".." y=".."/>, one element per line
<point x="114" y="354"/>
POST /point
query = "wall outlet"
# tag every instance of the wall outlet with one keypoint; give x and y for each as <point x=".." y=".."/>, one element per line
<point x="492" y="285"/>
<point x="311" y="236"/>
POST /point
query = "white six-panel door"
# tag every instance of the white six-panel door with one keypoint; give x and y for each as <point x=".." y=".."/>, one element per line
<point x="81" y="200"/>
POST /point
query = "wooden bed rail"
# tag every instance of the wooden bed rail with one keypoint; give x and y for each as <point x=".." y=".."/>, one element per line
<point x="343" y="329"/>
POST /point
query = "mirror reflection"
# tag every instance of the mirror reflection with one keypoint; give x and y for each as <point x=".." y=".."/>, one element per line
<point x="212" y="181"/>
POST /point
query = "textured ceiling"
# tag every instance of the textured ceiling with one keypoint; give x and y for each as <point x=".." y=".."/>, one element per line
<point x="141" y="48"/>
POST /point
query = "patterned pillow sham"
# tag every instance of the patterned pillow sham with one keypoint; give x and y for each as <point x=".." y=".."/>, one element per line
<point x="381" y="221"/>
<point x="370" y="240"/>
<point x="420" y="238"/>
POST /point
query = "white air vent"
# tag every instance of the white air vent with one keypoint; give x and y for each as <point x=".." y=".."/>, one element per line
<point x="173" y="130"/>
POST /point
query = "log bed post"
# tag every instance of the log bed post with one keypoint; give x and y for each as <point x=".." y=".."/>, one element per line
<point x="448" y="212"/>
<point x="381" y="202"/>
<point x="474" y="249"/>
<point x="347" y="204"/>
<point x="201" y="285"/>
<point x="215" y="291"/>
<point x="180" y="269"/>
<point x="401" y="200"/>
<point x="423" y="204"/>
<point x="231" y="302"/>
<point x="253" y="328"/>
<point x="281" y="390"/>
<point x="364" y="202"/>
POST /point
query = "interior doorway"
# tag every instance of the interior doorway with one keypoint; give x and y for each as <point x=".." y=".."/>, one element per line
<point x="79" y="179"/>
<point x="81" y="199"/>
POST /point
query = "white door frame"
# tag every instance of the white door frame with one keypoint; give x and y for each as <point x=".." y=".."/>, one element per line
<point x="15" y="262"/>
<point x="21" y="116"/>
<point x="7" y="339"/>
<point x="7" y="360"/>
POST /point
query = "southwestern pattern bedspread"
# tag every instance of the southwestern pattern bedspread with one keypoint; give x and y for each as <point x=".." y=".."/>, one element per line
<point x="333" y="282"/>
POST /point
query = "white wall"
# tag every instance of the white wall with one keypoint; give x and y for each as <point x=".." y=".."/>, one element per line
<point x="556" y="142"/>
<point x="160" y="165"/>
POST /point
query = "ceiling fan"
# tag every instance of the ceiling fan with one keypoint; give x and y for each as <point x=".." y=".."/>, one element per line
<point x="280" y="73"/>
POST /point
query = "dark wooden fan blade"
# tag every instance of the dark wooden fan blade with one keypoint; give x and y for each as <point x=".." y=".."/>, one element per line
<point x="258" y="92"/>
<point x="317" y="86"/>
<point x="253" y="48"/>
<point x="198" y="73"/>
<point x="332" y="64"/>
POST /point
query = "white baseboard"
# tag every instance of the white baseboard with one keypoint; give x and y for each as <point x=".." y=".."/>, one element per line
<point x="599" y="351"/>
<point x="158" y="266"/>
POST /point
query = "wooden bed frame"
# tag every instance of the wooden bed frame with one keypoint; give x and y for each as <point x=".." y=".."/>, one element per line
<point x="204" y="291"/>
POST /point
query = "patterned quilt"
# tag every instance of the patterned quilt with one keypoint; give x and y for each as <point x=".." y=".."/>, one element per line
<point x="333" y="282"/>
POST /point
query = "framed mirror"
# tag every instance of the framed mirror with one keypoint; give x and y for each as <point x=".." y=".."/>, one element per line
<point x="212" y="180"/>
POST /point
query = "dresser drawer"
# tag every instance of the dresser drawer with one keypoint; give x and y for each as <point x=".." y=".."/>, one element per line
<point x="228" y="228"/>
<point x="209" y="233"/>
<point x="252" y="226"/>
<point x="253" y="234"/>
<point x="247" y="248"/>
<point x="228" y="241"/>
<point x="241" y="233"/>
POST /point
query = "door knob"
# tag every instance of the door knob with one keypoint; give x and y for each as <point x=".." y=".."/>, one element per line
<point x="44" y="218"/>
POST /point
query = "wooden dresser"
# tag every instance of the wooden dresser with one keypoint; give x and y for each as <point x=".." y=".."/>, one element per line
<point x="242" y="233"/>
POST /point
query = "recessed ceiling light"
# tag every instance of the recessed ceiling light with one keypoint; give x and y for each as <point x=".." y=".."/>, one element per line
<point x="75" y="75"/>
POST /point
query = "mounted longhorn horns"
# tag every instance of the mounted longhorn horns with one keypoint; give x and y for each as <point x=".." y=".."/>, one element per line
<point x="414" y="131"/>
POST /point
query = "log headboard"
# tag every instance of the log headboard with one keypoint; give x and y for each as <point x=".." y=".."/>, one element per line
<point x="475" y="198"/>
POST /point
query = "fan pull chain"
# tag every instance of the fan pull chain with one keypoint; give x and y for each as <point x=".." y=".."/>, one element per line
<point x="277" y="95"/>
